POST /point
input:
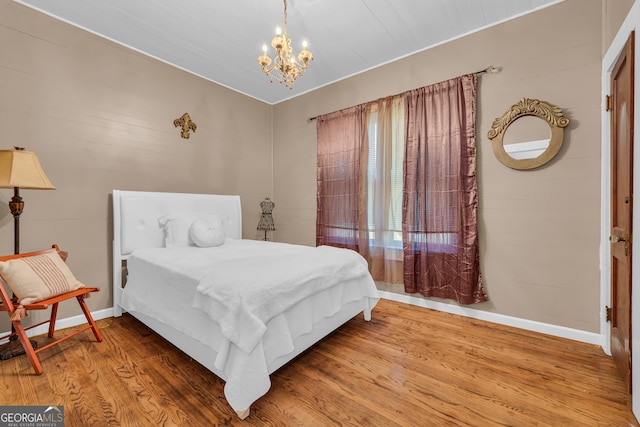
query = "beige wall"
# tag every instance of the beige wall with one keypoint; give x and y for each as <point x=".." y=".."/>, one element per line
<point x="539" y="230"/>
<point x="614" y="12"/>
<point x="100" y="116"/>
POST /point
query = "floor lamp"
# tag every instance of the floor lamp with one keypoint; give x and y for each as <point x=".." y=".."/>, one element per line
<point x="19" y="169"/>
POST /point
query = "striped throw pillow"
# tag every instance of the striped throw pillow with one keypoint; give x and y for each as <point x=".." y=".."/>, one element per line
<point x="36" y="278"/>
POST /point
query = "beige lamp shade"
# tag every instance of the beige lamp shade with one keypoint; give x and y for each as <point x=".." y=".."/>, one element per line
<point x="21" y="169"/>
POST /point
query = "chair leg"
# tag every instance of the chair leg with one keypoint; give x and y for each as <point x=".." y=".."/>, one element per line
<point x="87" y="314"/>
<point x="28" y="348"/>
<point x="52" y="320"/>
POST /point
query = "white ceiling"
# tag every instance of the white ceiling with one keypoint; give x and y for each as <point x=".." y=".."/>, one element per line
<point x="220" y="41"/>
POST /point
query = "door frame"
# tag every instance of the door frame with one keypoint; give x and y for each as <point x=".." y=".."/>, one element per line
<point x="631" y="23"/>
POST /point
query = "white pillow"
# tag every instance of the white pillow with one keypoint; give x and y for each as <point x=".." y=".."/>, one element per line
<point x="207" y="232"/>
<point x="176" y="229"/>
<point x="176" y="226"/>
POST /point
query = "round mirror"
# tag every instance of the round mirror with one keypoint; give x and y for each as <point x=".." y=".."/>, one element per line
<point x="535" y="133"/>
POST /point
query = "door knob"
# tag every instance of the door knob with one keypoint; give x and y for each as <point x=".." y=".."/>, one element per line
<point x="615" y="239"/>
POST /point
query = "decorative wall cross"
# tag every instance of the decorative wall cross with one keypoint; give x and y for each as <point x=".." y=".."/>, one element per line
<point x="186" y="124"/>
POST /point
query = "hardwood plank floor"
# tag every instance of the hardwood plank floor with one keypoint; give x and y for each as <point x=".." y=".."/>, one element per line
<point x="409" y="366"/>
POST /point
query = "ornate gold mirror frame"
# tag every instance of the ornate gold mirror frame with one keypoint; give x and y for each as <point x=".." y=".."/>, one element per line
<point x="529" y="107"/>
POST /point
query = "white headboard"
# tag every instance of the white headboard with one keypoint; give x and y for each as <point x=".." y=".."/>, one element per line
<point x="135" y="222"/>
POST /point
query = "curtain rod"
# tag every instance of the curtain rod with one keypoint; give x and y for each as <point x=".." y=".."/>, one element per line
<point x="489" y="70"/>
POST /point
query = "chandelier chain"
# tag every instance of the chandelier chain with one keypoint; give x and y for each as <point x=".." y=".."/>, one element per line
<point x="285" y="16"/>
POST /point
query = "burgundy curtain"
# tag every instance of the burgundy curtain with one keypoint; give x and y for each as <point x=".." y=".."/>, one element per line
<point x="342" y="158"/>
<point x="439" y="224"/>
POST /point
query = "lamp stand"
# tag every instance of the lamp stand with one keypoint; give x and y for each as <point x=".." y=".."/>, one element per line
<point x="16" y="205"/>
<point x="13" y="348"/>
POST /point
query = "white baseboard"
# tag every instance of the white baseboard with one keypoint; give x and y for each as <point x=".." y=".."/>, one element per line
<point x="530" y="325"/>
<point x="67" y="322"/>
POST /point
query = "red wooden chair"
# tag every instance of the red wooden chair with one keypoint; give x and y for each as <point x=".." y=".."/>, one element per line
<point x="11" y="306"/>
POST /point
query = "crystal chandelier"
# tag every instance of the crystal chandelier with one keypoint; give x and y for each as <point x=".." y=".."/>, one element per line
<point x="286" y="68"/>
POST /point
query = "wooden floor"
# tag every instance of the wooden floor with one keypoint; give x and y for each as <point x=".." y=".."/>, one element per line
<point x="409" y="366"/>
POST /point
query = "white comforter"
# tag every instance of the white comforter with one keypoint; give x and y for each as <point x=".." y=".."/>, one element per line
<point x="263" y="280"/>
<point x="246" y="288"/>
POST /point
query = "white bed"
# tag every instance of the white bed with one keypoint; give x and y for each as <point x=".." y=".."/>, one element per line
<point x="246" y="340"/>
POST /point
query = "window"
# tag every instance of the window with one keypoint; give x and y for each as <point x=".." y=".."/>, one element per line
<point x="385" y="137"/>
<point x="411" y="209"/>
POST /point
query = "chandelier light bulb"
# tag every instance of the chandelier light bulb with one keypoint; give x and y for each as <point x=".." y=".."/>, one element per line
<point x="278" y="30"/>
<point x="264" y="48"/>
<point x="304" y="43"/>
